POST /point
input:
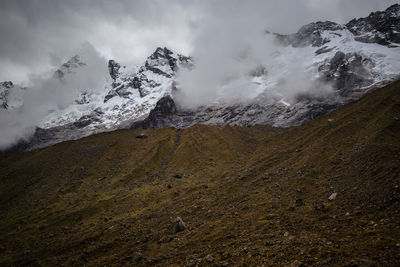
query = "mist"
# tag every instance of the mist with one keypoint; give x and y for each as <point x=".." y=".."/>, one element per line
<point x="226" y="39"/>
<point x="47" y="93"/>
<point x="231" y="45"/>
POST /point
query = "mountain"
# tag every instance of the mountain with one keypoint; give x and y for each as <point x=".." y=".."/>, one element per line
<point x="10" y="95"/>
<point x="129" y="93"/>
<point x="326" y="193"/>
<point x="336" y="55"/>
<point x="334" y="65"/>
<point x="379" y="27"/>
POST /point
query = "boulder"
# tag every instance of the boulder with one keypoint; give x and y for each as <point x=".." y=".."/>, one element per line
<point x="178" y="225"/>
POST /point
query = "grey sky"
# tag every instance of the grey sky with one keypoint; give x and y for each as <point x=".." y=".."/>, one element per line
<point x="37" y="35"/>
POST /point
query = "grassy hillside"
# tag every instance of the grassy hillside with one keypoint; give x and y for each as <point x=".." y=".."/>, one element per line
<point x="248" y="196"/>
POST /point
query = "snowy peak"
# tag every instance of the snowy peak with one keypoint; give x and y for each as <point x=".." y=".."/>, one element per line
<point x="129" y="93"/>
<point x="382" y="27"/>
<point x="165" y="62"/>
<point x="69" y="67"/>
<point x="310" y="34"/>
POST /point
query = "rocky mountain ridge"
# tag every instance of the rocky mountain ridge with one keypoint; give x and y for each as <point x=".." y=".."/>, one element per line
<point x="339" y="63"/>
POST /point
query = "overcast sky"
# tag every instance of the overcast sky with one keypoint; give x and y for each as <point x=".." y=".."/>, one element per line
<point x="38" y="35"/>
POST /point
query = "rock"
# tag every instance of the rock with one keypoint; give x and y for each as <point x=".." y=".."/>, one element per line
<point x="113" y="69"/>
<point x="347" y="72"/>
<point x="110" y="95"/>
<point x="299" y="202"/>
<point x="160" y="116"/>
<point x="310" y="34"/>
<point x="141" y="136"/>
<point x="319" y="205"/>
<point x="137" y="256"/>
<point x="382" y="27"/>
<point x="209" y="258"/>
<point x="166" y="239"/>
<point x="333" y="196"/>
<point x="286" y="234"/>
<point x="178" y="225"/>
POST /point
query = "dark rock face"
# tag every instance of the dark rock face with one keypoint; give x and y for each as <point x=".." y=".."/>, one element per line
<point x="88" y="119"/>
<point x="160" y="116"/>
<point x="110" y="95"/>
<point x="167" y="114"/>
<point x="309" y="34"/>
<point x="141" y="136"/>
<point x="347" y="72"/>
<point x="113" y="69"/>
<point x="6" y="86"/>
<point x="84" y="121"/>
<point x="382" y="27"/>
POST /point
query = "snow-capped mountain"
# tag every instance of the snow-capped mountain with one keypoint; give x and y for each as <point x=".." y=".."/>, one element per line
<point x="337" y="63"/>
<point x="129" y="93"/>
<point x="343" y="61"/>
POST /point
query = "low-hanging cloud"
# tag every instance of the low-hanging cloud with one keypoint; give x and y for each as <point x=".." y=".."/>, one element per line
<point x="226" y="39"/>
<point x="37" y="34"/>
<point x="48" y="93"/>
<point x="231" y="43"/>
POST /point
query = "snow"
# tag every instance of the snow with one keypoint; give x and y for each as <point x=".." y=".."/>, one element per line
<point x="283" y="63"/>
<point x="119" y="108"/>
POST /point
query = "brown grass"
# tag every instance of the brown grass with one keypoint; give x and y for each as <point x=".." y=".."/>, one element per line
<point x="103" y="199"/>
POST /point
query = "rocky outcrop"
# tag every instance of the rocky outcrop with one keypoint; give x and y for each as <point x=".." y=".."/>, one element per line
<point x="161" y="116"/>
<point x="310" y="34"/>
<point x="113" y="69"/>
<point x="178" y="226"/>
<point x="382" y="27"/>
<point x="10" y="95"/>
<point x="347" y="72"/>
<point x="5" y="88"/>
<point x="167" y="114"/>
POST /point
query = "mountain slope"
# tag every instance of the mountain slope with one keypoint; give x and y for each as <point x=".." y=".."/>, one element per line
<point x="308" y="73"/>
<point x="248" y="195"/>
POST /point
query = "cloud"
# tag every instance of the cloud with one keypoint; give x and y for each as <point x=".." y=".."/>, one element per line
<point x="47" y="94"/>
<point x="128" y="31"/>
<point x="225" y="38"/>
<point x="231" y="43"/>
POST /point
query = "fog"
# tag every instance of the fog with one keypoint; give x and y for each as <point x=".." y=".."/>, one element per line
<point x="47" y="93"/>
<point x="226" y="39"/>
<point x="38" y="35"/>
